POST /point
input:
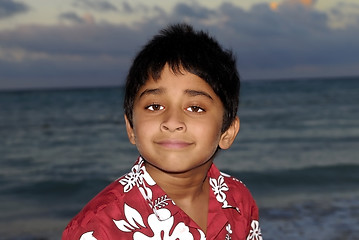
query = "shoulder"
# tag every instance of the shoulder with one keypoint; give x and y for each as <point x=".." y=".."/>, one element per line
<point x="232" y="192"/>
<point x="98" y="216"/>
<point x="235" y="183"/>
<point x="113" y="193"/>
<point x="241" y="195"/>
<point x="104" y="207"/>
<point x="227" y="183"/>
<point x="232" y="185"/>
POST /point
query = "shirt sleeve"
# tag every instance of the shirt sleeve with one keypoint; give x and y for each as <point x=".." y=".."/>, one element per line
<point x="94" y="221"/>
<point x="84" y="229"/>
<point x="254" y="228"/>
<point x="74" y="231"/>
<point x="91" y="226"/>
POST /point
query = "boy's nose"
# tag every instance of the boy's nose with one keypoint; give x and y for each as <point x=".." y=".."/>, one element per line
<point x="173" y="121"/>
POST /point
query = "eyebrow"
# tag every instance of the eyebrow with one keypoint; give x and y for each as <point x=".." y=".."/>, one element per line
<point x="194" y="93"/>
<point x="151" y="91"/>
<point x="190" y="92"/>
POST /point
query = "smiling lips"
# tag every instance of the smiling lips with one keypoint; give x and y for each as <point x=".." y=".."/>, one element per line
<point x="174" y="144"/>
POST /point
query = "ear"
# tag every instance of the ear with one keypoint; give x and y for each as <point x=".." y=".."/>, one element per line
<point x="130" y="132"/>
<point x="227" y="138"/>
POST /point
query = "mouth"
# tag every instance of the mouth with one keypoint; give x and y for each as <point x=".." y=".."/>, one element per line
<point x="174" y="144"/>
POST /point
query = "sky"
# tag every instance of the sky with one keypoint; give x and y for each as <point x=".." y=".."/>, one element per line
<point x="87" y="43"/>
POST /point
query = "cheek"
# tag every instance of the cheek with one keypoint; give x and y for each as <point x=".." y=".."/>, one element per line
<point x="143" y="130"/>
<point x="209" y="132"/>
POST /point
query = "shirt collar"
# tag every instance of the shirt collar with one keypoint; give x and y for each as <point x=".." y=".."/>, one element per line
<point x="157" y="199"/>
<point x="154" y="195"/>
<point x="221" y="190"/>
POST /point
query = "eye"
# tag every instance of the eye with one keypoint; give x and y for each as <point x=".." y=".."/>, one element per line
<point x="155" y="107"/>
<point x="195" y="109"/>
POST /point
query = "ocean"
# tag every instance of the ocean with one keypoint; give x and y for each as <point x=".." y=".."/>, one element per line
<point x="297" y="151"/>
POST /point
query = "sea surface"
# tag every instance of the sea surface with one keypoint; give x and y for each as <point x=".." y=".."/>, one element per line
<point x="297" y="151"/>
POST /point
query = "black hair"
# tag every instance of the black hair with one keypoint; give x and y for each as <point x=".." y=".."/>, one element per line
<point x="183" y="48"/>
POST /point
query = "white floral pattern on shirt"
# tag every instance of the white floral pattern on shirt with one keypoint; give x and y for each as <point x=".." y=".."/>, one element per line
<point x="133" y="219"/>
<point x="160" y="228"/>
<point x="140" y="178"/>
<point x="136" y="176"/>
<point x="219" y="187"/>
<point x="229" y="232"/>
<point x="88" y="236"/>
<point x="255" y="232"/>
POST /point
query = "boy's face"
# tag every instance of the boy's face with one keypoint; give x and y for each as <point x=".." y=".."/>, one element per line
<point x="177" y="122"/>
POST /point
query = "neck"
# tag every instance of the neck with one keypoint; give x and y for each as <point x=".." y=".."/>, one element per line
<point x="184" y="186"/>
<point x="189" y="190"/>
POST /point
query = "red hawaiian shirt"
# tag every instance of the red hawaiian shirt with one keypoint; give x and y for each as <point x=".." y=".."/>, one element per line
<point x="135" y="207"/>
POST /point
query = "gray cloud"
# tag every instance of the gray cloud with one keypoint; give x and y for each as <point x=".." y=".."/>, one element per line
<point x="349" y="5"/>
<point x="127" y="7"/>
<point x="80" y="40"/>
<point x="9" y="8"/>
<point x="293" y="38"/>
<point x="79" y="55"/>
<point x="98" y="5"/>
<point x="72" y="17"/>
<point x="290" y="42"/>
<point x="184" y="10"/>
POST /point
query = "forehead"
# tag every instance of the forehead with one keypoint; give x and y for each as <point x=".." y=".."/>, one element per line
<point x="176" y="85"/>
<point x="170" y="81"/>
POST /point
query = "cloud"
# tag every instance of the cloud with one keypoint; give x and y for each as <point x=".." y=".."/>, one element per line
<point x="272" y="44"/>
<point x="10" y="8"/>
<point x="275" y="5"/>
<point x="192" y="11"/>
<point x="80" y="39"/>
<point x="67" y="55"/>
<point x="98" y="5"/>
<point x="294" y="3"/>
<point x="344" y="14"/>
<point x="291" y="42"/>
<point x="136" y="9"/>
<point x="127" y="7"/>
<point x="74" y="18"/>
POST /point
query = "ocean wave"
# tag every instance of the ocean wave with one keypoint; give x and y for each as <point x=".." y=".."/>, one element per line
<point x="330" y="218"/>
<point x="319" y="178"/>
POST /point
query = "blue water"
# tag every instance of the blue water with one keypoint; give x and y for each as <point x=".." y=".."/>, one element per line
<point x="297" y="151"/>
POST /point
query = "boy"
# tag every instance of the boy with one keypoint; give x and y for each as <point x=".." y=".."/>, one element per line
<point x="180" y="108"/>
